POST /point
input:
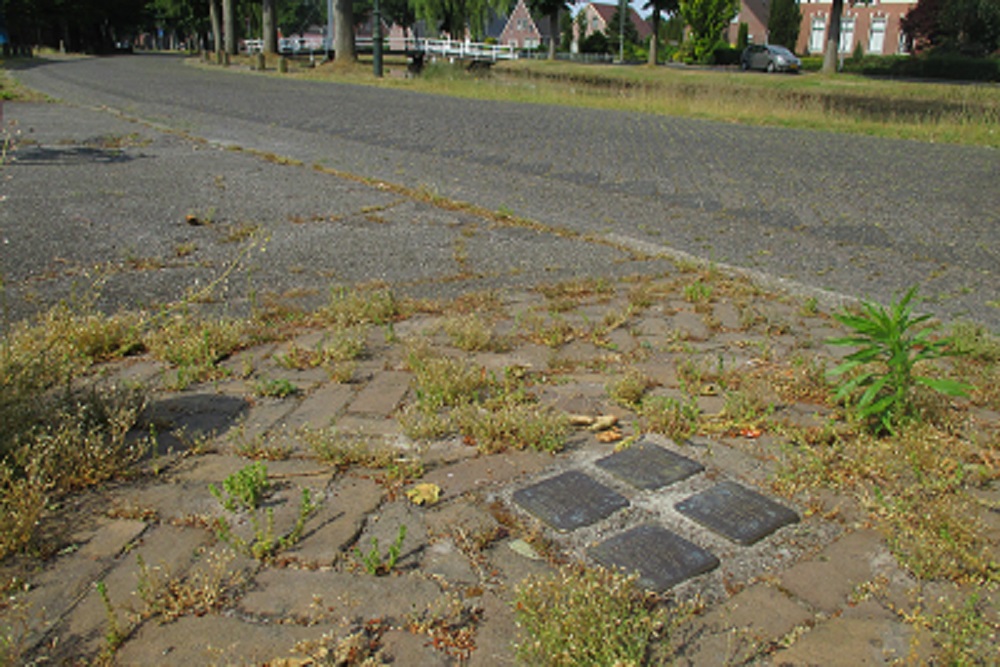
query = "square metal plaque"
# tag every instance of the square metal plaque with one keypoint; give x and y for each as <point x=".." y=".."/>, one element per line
<point x="570" y="500"/>
<point x="662" y="558"/>
<point x="742" y="515"/>
<point x="647" y="466"/>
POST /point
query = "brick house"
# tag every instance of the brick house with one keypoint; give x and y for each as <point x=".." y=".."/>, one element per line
<point x="599" y="16"/>
<point x="521" y="31"/>
<point x="876" y="25"/>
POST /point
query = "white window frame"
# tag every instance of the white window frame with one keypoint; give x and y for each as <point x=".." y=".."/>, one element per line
<point x="876" y="35"/>
<point x="846" y="36"/>
<point x="818" y="27"/>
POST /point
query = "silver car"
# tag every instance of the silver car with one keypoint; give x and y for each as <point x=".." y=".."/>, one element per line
<point x="769" y="57"/>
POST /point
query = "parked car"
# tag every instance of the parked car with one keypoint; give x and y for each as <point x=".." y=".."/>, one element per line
<point x="769" y="57"/>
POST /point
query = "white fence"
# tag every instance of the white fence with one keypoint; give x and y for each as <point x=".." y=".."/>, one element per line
<point x="452" y="49"/>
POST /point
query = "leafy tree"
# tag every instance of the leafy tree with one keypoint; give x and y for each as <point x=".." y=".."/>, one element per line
<point x="743" y="36"/>
<point x="657" y="7"/>
<point x="550" y="9"/>
<point x="294" y="18"/>
<point x="969" y="26"/>
<point x="784" y="23"/>
<point x="707" y="19"/>
<point x="565" y="31"/>
<point x="595" y="42"/>
<point x="455" y="16"/>
<point x="614" y="32"/>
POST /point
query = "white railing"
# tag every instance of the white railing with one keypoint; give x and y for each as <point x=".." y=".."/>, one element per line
<point x="447" y="48"/>
<point x="463" y="50"/>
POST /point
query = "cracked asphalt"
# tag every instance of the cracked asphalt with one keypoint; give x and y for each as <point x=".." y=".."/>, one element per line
<point x="856" y="216"/>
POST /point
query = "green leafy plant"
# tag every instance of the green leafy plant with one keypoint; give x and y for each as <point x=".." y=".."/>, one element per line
<point x="114" y="635"/>
<point x="264" y="544"/>
<point x="890" y="342"/>
<point x="373" y="561"/>
<point x="244" y="489"/>
<point x="275" y="388"/>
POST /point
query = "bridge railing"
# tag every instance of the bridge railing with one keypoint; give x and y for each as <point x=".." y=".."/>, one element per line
<point x="462" y="50"/>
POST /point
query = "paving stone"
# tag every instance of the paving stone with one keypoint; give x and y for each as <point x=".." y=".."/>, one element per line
<point x="383" y="394"/>
<point x="214" y="640"/>
<point x="486" y="471"/>
<point x="647" y="466"/>
<point x="827" y="580"/>
<point x="690" y="325"/>
<point x="496" y="638"/>
<point x="339" y="520"/>
<point x="405" y="649"/>
<point x="112" y="538"/>
<point x="727" y="314"/>
<point x="570" y="500"/>
<point x="738" y="513"/>
<point x="202" y="413"/>
<point x="169" y="552"/>
<point x="662" y="558"/>
<point x="849" y="642"/>
<point x="753" y="619"/>
<point x="334" y="596"/>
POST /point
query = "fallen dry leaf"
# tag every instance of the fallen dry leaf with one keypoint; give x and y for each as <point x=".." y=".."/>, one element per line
<point x="604" y="422"/>
<point x="424" y="494"/>
<point x="581" y="420"/>
<point x="611" y="435"/>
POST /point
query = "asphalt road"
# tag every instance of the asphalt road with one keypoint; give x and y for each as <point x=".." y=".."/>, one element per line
<point x="854" y="215"/>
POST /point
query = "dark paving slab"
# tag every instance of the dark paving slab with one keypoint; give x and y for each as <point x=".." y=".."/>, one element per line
<point x="737" y="512"/>
<point x="662" y="558"/>
<point x="570" y="500"/>
<point x="647" y="466"/>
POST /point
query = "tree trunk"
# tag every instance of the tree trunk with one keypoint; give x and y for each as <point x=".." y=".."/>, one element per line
<point x="229" y="26"/>
<point x="213" y="17"/>
<point x="343" y="31"/>
<point x="654" y="39"/>
<point x="269" y="26"/>
<point x="553" y="34"/>
<point x="833" y="38"/>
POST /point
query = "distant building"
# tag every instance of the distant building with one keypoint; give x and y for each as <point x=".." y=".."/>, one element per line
<point x="521" y="31"/>
<point x="599" y="15"/>
<point x="876" y="26"/>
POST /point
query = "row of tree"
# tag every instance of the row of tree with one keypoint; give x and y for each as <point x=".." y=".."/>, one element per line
<point x="970" y="26"/>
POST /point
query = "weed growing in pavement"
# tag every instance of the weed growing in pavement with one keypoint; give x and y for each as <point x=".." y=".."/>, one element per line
<point x="550" y="330"/>
<point x="275" y="388"/>
<point x="64" y="439"/>
<point x="628" y="389"/>
<point x="587" y="616"/>
<point x="915" y="482"/>
<point x="698" y="292"/>
<point x="350" y="307"/>
<point x="195" y="346"/>
<point x="265" y="544"/>
<point x="114" y="634"/>
<point x="964" y="634"/>
<point x="880" y="374"/>
<point x="362" y="647"/>
<point x="342" y="344"/>
<point x="15" y="627"/>
<point x="243" y="490"/>
<point x="205" y="589"/>
<point x="451" y="625"/>
<point x="676" y="419"/>
<point x="374" y="562"/>
<point x="470" y="333"/>
<point x="258" y="447"/>
<point x="512" y="426"/>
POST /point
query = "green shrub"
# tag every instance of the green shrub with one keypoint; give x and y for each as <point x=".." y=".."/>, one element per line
<point x="583" y="616"/>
